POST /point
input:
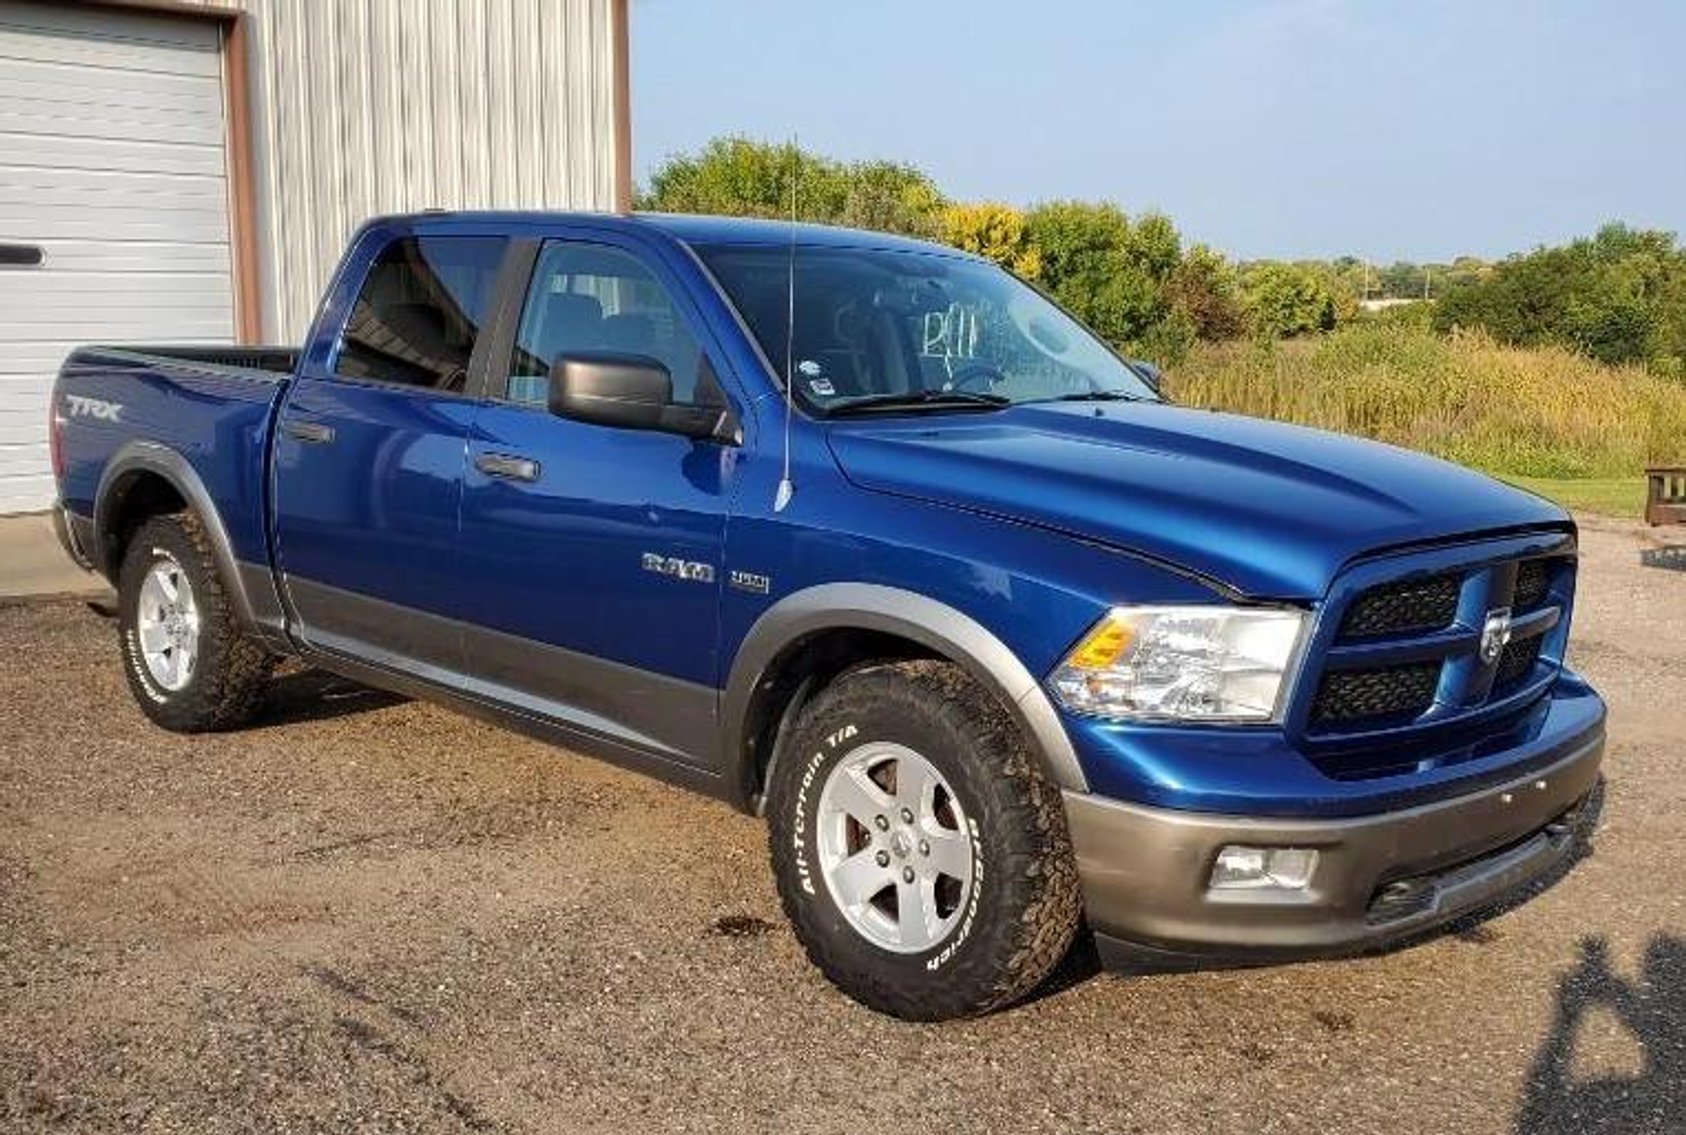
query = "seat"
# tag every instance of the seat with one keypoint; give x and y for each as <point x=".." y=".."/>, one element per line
<point x="570" y="321"/>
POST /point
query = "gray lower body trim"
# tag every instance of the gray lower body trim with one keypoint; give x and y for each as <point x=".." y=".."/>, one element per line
<point x="667" y="718"/>
<point x="548" y="729"/>
<point x="1145" y="870"/>
<point x="269" y="619"/>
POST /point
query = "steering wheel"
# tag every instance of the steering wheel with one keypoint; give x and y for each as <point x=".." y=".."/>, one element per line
<point x="986" y="373"/>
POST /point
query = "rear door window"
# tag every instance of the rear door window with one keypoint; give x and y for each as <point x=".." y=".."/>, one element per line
<point x="423" y="306"/>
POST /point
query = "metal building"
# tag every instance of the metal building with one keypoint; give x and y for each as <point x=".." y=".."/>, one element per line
<point x="189" y="170"/>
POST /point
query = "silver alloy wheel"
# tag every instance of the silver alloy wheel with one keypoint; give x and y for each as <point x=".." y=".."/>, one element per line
<point x="895" y="847"/>
<point x="167" y="624"/>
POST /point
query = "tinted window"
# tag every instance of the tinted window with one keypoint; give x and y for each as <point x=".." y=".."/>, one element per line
<point x="590" y="297"/>
<point x="423" y="304"/>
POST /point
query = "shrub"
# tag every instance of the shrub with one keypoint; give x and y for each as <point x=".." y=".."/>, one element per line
<point x="1540" y="412"/>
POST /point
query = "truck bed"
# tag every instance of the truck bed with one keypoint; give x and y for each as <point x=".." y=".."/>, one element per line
<point x="275" y="360"/>
<point x="212" y="407"/>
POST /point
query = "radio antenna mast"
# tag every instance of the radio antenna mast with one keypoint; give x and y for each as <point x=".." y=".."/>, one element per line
<point x="786" y="488"/>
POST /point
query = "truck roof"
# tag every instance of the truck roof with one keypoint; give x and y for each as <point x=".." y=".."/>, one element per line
<point x="701" y="228"/>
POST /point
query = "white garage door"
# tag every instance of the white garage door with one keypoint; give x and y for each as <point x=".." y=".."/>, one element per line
<point x="112" y="166"/>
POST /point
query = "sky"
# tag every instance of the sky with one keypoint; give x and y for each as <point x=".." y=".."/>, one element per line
<point x="1272" y="128"/>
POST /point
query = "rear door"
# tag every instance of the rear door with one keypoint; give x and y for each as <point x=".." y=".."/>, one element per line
<point x="592" y="557"/>
<point x="370" y="449"/>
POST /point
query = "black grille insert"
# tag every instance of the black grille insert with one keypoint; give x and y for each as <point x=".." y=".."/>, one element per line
<point x="1406" y="607"/>
<point x="1382" y="692"/>
<point x="1516" y="662"/>
<point x="1532" y="579"/>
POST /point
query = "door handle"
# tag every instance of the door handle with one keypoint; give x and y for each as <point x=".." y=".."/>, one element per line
<point x="506" y="467"/>
<point x="311" y="433"/>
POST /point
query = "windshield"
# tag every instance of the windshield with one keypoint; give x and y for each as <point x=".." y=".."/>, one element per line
<point x="877" y="326"/>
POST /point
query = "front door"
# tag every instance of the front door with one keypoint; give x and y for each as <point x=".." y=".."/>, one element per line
<point x="591" y="557"/>
<point x="369" y="457"/>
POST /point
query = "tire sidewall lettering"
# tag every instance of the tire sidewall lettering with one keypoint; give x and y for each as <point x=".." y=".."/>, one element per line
<point x="800" y="821"/>
<point x="132" y="653"/>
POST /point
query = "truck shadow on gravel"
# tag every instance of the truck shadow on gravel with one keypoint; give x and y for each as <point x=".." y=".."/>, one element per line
<point x="315" y="695"/>
<point x="1652" y="1009"/>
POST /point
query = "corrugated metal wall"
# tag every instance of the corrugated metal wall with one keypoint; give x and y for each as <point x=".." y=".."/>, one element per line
<point x="362" y="107"/>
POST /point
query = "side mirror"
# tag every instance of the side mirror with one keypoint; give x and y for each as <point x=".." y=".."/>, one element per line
<point x="624" y="391"/>
<point x="1149" y="374"/>
<point x="631" y="392"/>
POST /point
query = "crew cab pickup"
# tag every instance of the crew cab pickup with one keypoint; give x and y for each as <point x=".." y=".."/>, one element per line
<point x="867" y="536"/>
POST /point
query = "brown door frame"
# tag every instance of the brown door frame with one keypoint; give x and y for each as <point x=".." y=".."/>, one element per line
<point x="242" y="185"/>
<point x="618" y="19"/>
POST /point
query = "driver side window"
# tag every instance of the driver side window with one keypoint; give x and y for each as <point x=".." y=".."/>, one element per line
<point x="594" y="298"/>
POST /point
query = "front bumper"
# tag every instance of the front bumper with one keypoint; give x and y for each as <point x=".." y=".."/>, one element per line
<point x="1379" y="878"/>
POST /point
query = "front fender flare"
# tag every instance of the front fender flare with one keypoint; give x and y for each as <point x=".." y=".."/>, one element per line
<point x="935" y="625"/>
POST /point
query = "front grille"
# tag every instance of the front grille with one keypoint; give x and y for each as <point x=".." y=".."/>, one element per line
<point x="1347" y="696"/>
<point x="1407" y="607"/>
<point x="1516" y="662"/>
<point x="1397" y="670"/>
<point x="1532" y="580"/>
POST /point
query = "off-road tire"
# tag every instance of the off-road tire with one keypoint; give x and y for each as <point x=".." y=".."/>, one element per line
<point x="232" y="670"/>
<point x="1028" y="903"/>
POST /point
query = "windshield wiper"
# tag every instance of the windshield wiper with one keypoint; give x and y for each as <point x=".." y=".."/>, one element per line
<point x="1097" y="396"/>
<point x="921" y="400"/>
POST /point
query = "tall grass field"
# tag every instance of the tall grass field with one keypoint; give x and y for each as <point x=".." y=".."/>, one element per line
<point x="1539" y="416"/>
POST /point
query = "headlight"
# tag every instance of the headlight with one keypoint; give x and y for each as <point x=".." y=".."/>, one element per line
<point x="1182" y="664"/>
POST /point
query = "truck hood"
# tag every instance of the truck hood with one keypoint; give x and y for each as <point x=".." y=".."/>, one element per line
<point x="1266" y="509"/>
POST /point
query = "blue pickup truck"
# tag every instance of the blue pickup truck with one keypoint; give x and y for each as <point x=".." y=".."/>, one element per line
<point x="866" y="536"/>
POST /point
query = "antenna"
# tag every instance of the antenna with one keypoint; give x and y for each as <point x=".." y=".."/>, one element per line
<point x="786" y="489"/>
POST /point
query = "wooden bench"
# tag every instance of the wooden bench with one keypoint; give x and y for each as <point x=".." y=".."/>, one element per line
<point x="1665" y="495"/>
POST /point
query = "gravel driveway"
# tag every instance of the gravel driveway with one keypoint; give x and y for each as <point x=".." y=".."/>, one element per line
<point x="372" y="914"/>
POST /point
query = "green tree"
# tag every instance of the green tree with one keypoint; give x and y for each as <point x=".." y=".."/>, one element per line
<point x="1619" y="296"/>
<point x="741" y="177"/>
<point x="1206" y="289"/>
<point x="1109" y="277"/>
<point x="890" y="197"/>
<point x="1283" y="300"/>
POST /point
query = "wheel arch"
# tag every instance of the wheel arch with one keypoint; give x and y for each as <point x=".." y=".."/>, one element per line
<point x="755" y="705"/>
<point x="143" y="479"/>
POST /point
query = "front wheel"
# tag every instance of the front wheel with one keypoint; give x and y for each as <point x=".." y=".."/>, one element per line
<point x="920" y="854"/>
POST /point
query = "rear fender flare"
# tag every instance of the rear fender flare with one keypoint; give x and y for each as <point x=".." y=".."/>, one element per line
<point x="161" y="461"/>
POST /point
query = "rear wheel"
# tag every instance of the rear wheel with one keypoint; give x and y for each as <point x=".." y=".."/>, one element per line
<point x="189" y="664"/>
<point x="920" y="854"/>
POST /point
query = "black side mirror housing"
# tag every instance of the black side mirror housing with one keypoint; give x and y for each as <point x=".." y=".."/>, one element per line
<point x="1149" y="374"/>
<point x="631" y="392"/>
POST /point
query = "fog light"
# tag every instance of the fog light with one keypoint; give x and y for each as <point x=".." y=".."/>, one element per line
<point x="1255" y="868"/>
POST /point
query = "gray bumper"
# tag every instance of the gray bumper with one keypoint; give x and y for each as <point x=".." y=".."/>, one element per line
<point x="1378" y="879"/>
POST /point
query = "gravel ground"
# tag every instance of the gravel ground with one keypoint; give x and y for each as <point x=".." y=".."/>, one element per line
<point x="369" y="914"/>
